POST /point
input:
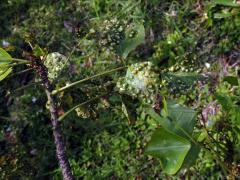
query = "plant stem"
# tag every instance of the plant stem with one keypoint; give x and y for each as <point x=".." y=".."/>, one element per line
<point x="26" y="86"/>
<point x="20" y="60"/>
<point x="223" y="166"/>
<point x="58" y="138"/>
<point x="211" y="138"/>
<point x="17" y="63"/>
<point x="5" y="118"/>
<point x="86" y="79"/>
<point x="57" y="132"/>
<point x="20" y="72"/>
<point x="15" y="60"/>
<point x="79" y="105"/>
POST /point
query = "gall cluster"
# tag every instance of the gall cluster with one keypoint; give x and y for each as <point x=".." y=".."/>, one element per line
<point x="56" y="63"/>
<point x="141" y="81"/>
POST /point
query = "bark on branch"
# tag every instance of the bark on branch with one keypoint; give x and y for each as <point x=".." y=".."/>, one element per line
<point x="57" y="132"/>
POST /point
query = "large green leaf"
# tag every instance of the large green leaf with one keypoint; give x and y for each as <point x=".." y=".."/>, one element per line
<point x="170" y="148"/>
<point x="129" y="44"/>
<point x="5" y="59"/>
<point x="183" y="119"/>
<point x="192" y="155"/>
<point x="179" y="120"/>
<point x="230" y="3"/>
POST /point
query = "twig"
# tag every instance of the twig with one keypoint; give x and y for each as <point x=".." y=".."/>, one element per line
<point x="26" y="86"/>
<point x="86" y="79"/>
<point x="17" y="63"/>
<point x="5" y="118"/>
<point x="9" y="59"/>
<point x="20" y="72"/>
<point x="79" y="105"/>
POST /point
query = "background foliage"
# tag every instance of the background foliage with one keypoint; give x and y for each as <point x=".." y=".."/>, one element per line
<point x="194" y="48"/>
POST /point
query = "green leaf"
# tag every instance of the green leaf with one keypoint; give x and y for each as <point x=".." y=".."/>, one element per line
<point x="163" y="121"/>
<point x="231" y="80"/>
<point x="192" y="156"/>
<point x="170" y="148"/>
<point x="180" y="120"/>
<point x="129" y="44"/>
<point x="230" y="3"/>
<point x="5" y="58"/>
<point x="183" y="119"/>
<point x="222" y="15"/>
<point x="5" y="70"/>
<point x="187" y="78"/>
<point x="225" y="101"/>
<point x="38" y="51"/>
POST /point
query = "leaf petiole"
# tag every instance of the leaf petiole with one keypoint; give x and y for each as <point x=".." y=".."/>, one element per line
<point x="86" y="79"/>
